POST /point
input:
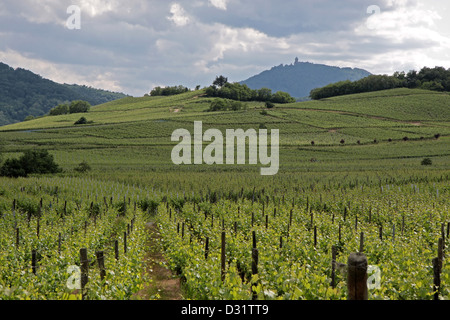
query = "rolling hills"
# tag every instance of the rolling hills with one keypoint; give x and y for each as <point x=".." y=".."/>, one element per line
<point x="386" y="130"/>
<point x="24" y="93"/>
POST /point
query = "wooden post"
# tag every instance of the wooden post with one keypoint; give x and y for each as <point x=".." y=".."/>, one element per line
<point x="38" y="227"/>
<point x="357" y="277"/>
<point x="116" y="249"/>
<point x="315" y="236"/>
<point x="84" y="271"/>
<point x="206" y="248"/>
<point x="222" y="273"/>
<point x="34" y="261"/>
<point x="254" y="263"/>
<point x="101" y="264"/>
<point x="340" y="233"/>
<point x="17" y="237"/>
<point x="437" y="277"/>
<point x="361" y="242"/>
<point x="59" y="243"/>
<point x="124" y="242"/>
<point x="333" y="267"/>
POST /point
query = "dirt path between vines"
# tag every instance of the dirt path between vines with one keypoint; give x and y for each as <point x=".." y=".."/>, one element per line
<point x="164" y="282"/>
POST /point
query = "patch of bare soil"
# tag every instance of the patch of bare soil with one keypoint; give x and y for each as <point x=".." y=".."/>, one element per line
<point x="164" y="282"/>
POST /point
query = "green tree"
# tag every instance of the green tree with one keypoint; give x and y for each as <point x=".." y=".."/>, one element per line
<point x="220" y="81"/>
<point x="82" y="120"/>
<point x="32" y="161"/>
<point x="83" y="167"/>
<point x="79" y="106"/>
<point x="59" y="109"/>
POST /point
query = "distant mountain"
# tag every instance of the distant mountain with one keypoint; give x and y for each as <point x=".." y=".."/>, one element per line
<point x="24" y="93"/>
<point x="299" y="78"/>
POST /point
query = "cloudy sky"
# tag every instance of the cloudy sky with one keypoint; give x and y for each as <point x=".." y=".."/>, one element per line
<point x="134" y="45"/>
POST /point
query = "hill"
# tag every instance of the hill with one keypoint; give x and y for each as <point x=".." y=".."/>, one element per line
<point x="299" y="78"/>
<point x="24" y="93"/>
<point x="355" y="132"/>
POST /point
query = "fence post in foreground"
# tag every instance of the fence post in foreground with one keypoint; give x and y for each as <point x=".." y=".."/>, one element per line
<point x="357" y="277"/>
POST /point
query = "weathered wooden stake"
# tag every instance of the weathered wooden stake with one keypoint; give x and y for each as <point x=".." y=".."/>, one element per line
<point x="17" y="237"/>
<point x="315" y="236"/>
<point x="222" y="273"/>
<point x="116" y="249"/>
<point x="361" y="242"/>
<point x="357" y="277"/>
<point x="34" y="261"/>
<point x="124" y="242"/>
<point x="59" y="243"/>
<point x="255" y="258"/>
<point x="101" y="264"/>
<point x="206" y="248"/>
<point x="84" y="272"/>
<point x="333" y="267"/>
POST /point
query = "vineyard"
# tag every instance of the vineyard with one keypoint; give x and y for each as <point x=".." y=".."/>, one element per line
<point x="212" y="245"/>
<point x="44" y="228"/>
<point x="210" y="239"/>
<point x="351" y="180"/>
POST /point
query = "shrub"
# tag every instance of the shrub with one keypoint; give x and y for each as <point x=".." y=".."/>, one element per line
<point x="83" y="167"/>
<point x="82" y="120"/>
<point x="59" y="109"/>
<point x="270" y="105"/>
<point x="32" y="161"/>
<point x="426" y="162"/>
<point x="79" y="106"/>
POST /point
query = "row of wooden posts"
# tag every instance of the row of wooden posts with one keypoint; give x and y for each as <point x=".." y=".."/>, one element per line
<point x="357" y="264"/>
<point x="84" y="261"/>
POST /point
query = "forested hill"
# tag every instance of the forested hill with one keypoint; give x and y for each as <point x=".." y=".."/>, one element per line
<point x="24" y="93"/>
<point x="299" y="78"/>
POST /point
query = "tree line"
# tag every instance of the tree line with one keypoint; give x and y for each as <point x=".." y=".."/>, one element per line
<point x="221" y="88"/>
<point x="436" y="79"/>
<point x="25" y="94"/>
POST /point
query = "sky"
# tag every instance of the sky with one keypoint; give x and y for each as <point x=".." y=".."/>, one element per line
<point x="135" y="45"/>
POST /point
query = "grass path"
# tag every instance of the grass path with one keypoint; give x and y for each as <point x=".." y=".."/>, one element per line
<point x="164" y="282"/>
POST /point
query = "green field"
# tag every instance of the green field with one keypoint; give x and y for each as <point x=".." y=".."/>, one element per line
<point x="373" y="178"/>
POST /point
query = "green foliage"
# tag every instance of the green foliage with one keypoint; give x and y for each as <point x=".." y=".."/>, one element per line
<point x="241" y="92"/>
<point x="226" y="105"/>
<point x="436" y="79"/>
<point x="59" y="110"/>
<point x="83" y="167"/>
<point x="168" y="91"/>
<point x="31" y="162"/>
<point x="220" y="81"/>
<point x="23" y="93"/>
<point x="79" y="106"/>
<point x="149" y="205"/>
<point x="82" y="120"/>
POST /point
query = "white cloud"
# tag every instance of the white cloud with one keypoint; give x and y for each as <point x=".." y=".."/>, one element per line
<point x="129" y="46"/>
<point x="179" y="16"/>
<point x="219" y="4"/>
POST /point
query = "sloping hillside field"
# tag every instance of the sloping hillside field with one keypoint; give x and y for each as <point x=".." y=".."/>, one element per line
<point x="350" y="177"/>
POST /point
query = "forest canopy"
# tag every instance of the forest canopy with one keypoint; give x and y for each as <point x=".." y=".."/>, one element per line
<point x="436" y="79"/>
